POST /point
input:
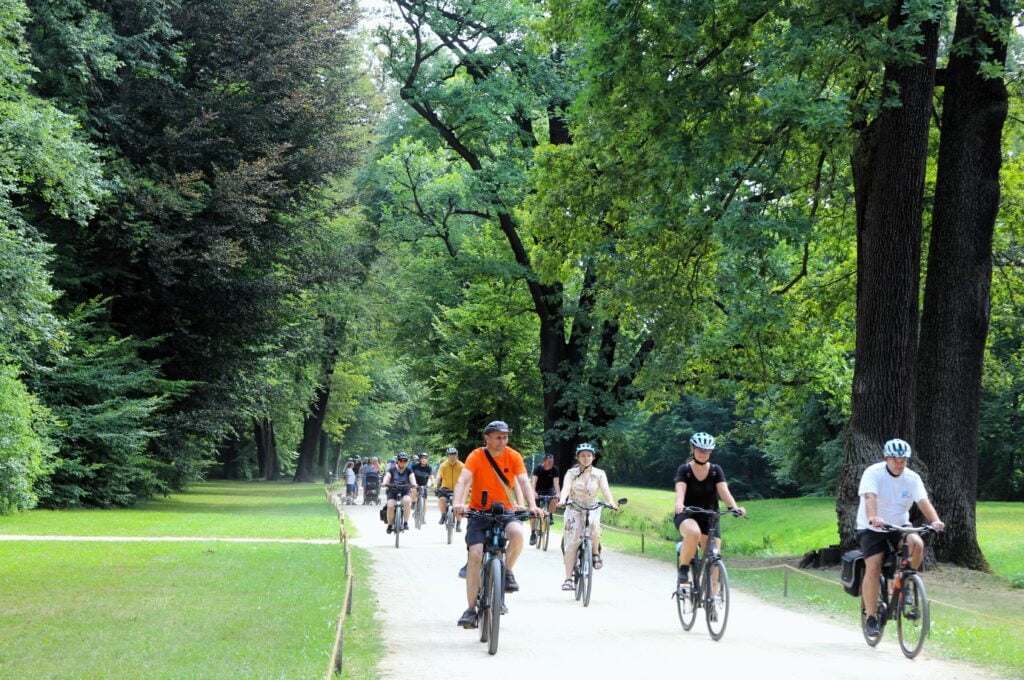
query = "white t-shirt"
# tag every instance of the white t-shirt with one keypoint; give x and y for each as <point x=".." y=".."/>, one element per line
<point x="350" y="476"/>
<point x="895" y="494"/>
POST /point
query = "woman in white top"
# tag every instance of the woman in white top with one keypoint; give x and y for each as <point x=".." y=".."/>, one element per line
<point x="582" y="484"/>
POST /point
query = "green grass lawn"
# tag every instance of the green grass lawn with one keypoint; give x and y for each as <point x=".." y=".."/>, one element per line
<point x="182" y="610"/>
<point x="240" y="509"/>
<point x="779" y="530"/>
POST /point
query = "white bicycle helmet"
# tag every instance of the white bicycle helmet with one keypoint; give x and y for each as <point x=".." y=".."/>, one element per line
<point x="586" y="447"/>
<point x="451" y="450"/>
<point x="896" y="448"/>
<point x="702" y="440"/>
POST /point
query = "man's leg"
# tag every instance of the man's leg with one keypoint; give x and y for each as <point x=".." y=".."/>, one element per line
<point x="916" y="550"/>
<point x="869" y="587"/>
<point x="515" y="533"/>
<point x="476" y="554"/>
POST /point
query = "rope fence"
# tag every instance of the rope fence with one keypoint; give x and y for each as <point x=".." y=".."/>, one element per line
<point x="787" y="568"/>
<point x="334" y="667"/>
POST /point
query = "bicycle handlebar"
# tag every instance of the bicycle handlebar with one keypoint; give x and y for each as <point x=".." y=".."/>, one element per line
<point x="503" y="519"/>
<point x="694" y="510"/>
<point x="921" y="530"/>
<point x="600" y="504"/>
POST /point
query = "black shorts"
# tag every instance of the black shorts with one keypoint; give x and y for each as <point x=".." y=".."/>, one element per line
<point x="397" y="495"/>
<point x="703" y="521"/>
<point x="874" y="542"/>
<point x="478" y="529"/>
<point x="444" y="493"/>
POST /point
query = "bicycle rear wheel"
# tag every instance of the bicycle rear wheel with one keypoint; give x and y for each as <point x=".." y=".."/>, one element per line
<point x="913" y="616"/>
<point x="716" y="581"/>
<point x="880" y="610"/>
<point x="497" y="596"/>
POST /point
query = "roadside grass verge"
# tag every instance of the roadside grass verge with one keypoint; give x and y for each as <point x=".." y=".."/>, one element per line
<point x="781" y="530"/>
<point x="168" y="610"/>
<point x="237" y="509"/>
<point x="363" y="630"/>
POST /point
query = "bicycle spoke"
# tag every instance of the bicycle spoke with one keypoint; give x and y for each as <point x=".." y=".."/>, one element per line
<point x="912" y="616"/>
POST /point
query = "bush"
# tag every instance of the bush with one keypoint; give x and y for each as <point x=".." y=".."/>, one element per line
<point x="24" y="448"/>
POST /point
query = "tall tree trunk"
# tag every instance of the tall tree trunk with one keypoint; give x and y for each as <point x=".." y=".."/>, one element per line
<point x="266" y="449"/>
<point x="888" y="174"/>
<point x="321" y="459"/>
<point x="312" y="426"/>
<point x="954" y="322"/>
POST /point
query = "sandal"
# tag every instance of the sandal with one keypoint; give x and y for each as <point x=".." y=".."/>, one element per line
<point x="567" y="584"/>
<point x="598" y="562"/>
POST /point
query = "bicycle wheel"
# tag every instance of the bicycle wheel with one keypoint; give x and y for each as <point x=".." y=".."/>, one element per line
<point x="399" y="519"/>
<point x="880" y="610"/>
<point x="716" y="583"/>
<point x="497" y="594"/>
<point x="545" y="532"/>
<point x="913" y="616"/>
<point x="588" y="572"/>
<point x="577" y="573"/>
<point x="449" y="523"/>
<point x="483" y="601"/>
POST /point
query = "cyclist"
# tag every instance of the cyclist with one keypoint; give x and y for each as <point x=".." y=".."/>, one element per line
<point x="699" y="483"/>
<point x="545" y="483"/>
<point x="399" y="473"/>
<point x="446" y="476"/>
<point x="497" y="470"/>
<point x="887" y="490"/>
<point x="582" y="484"/>
<point x="424" y="477"/>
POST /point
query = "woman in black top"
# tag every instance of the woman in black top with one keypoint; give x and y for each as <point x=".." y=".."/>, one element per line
<point x="699" y="483"/>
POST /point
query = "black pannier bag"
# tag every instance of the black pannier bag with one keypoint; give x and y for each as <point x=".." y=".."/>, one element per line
<point x="853" y="572"/>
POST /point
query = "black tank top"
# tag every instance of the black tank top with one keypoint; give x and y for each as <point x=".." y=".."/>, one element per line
<point x="701" y="494"/>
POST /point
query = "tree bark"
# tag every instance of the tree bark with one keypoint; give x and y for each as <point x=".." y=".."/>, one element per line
<point x="266" y="449"/>
<point x="888" y="174"/>
<point x="312" y="426"/>
<point x="955" y="319"/>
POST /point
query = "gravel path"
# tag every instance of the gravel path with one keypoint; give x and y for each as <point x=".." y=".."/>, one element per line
<point x="629" y="630"/>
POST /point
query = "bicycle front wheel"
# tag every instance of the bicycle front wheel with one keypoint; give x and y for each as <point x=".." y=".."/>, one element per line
<point x="545" y="533"/>
<point x="399" y="520"/>
<point x="913" y="616"/>
<point x="588" y="571"/>
<point x="716" y="582"/>
<point x="497" y="595"/>
<point x="449" y="523"/>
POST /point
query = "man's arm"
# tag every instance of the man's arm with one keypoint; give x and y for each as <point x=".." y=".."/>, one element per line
<point x="530" y="497"/>
<point x="871" y="509"/>
<point x="461" y="489"/>
<point x="533" y="483"/>
<point x="928" y="510"/>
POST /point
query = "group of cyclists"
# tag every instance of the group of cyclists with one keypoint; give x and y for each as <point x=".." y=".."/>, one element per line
<point x="496" y="472"/>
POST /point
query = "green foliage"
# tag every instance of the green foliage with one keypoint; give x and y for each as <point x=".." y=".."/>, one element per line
<point x="105" y="399"/>
<point x="25" y="449"/>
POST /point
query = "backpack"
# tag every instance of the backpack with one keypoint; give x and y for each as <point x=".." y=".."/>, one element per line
<point x="853" y="572"/>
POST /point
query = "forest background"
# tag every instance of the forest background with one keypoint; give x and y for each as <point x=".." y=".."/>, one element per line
<point x="250" y="239"/>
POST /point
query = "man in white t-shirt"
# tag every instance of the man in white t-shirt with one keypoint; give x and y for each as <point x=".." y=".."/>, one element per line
<point x="887" y="490"/>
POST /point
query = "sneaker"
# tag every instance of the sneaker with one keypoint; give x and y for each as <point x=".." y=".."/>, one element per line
<point x="510" y="582"/>
<point x="871" y="627"/>
<point x="533" y="537"/>
<point x="441" y="521"/>
<point x="684" y="573"/>
<point x="405" y="526"/>
<point x="504" y="609"/>
<point x="462" y="572"/>
<point x="390" y="528"/>
<point x="468" y="619"/>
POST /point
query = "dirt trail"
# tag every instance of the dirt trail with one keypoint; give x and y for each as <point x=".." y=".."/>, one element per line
<point x="629" y="630"/>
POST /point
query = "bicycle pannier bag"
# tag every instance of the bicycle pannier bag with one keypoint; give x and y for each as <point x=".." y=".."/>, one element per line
<point x="384" y="514"/>
<point x="853" y="572"/>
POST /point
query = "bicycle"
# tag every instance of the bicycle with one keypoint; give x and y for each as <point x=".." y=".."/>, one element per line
<point x="545" y="522"/>
<point x="705" y="573"/>
<point x="449" y="512"/>
<point x="583" y="568"/>
<point x="906" y="601"/>
<point x="491" y="597"/>
<point x="398" y="524"/>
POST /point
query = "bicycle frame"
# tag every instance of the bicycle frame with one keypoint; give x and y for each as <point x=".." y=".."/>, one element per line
<point x="583" y="571"/>
<point x="703" y="591"/>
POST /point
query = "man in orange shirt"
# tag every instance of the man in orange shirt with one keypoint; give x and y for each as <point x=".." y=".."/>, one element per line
<point x="479" y="474"/>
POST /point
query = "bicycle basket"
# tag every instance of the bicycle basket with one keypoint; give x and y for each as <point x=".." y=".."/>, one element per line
<point x="853" y="572"/>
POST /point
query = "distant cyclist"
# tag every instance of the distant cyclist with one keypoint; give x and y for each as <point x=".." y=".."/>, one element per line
<point x="399" y="473"/>
<point x="582" y="484"/>
<point x="545" y="483"/>
<point x="446" y="476"/>
<point x="699" y="483"/>
<point x="887" y="490"/>
<point x="424" y="477"/>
